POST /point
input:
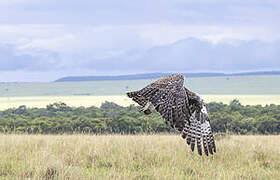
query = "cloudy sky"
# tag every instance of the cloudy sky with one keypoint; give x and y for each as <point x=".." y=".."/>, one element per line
<point x="44" y="40"/>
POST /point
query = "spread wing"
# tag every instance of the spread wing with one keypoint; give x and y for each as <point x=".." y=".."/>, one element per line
<point x="198" y="129"/>
<point x="169" y="98"/>
<point x="179" y="108"/>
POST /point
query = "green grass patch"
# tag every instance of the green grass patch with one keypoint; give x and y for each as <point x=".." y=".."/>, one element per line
<point x="257" y="85"/>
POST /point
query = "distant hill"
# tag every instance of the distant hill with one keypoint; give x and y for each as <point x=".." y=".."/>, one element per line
<point x="159" y="75"/>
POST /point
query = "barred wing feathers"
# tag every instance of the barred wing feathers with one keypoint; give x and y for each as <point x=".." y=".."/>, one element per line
<point x="198" y="131"/>
<point x="184" y="110"/>
<point x="169" y="98"/>
<point x="142" y="101"/>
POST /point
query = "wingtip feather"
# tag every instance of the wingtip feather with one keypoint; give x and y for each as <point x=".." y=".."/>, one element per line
<point x="130" y="94"/>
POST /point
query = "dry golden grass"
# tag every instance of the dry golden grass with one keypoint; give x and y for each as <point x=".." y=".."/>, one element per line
<point x="42" y="101"/>
<point x="136" y="157"/>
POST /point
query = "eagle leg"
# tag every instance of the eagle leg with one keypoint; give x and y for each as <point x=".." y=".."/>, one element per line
<point x="146" y="107"/>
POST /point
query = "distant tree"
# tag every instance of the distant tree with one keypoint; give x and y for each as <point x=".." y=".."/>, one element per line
<point x="112" y="118"/>
<point x="20" y="110"/>
<point x="60" y="106"/>
<point x="235" y="105"/>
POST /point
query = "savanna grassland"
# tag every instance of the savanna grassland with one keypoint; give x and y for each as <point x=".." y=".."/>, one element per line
<point x="158" y="156"/>
<point x="249" y="90"/>
<point x="87" y="101"/>
<point x="232" y="85"/>
<point x="136" y="157"/>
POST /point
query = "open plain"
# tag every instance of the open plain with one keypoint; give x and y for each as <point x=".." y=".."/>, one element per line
<point x="136" y="157"/>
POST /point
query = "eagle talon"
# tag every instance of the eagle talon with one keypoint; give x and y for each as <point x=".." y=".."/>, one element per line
<point x="146" y="109"/>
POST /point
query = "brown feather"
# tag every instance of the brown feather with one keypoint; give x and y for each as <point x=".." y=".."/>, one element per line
<point x="182" y="109"/>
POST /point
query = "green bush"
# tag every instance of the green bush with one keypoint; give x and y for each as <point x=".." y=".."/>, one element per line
<point x="111" y="118"/>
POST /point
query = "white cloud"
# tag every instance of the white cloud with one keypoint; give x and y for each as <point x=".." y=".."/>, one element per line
<point x="67" y="34"/>
<point x="37" y="60"/>
<point x="193" y="55"/>
<point x="74" y="38"/>
<point x="188" y="55"/>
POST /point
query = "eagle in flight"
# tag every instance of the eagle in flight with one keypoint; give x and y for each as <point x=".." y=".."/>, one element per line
<point x="182" y="109"/>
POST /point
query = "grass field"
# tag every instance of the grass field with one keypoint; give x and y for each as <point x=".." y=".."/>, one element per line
<point x="254" y="85"/>
<point x="136" y="157"/>
<point x="250" y="90"/>
<point x="87" y="101"/>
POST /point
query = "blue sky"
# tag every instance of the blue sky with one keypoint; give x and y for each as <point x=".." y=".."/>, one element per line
<point x="44" y="40"/>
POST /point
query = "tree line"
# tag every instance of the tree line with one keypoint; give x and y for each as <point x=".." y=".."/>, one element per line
<point x="110" y="118"/>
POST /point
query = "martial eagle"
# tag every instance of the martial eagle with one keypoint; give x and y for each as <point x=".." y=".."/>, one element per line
<point x="182" y="109"/>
